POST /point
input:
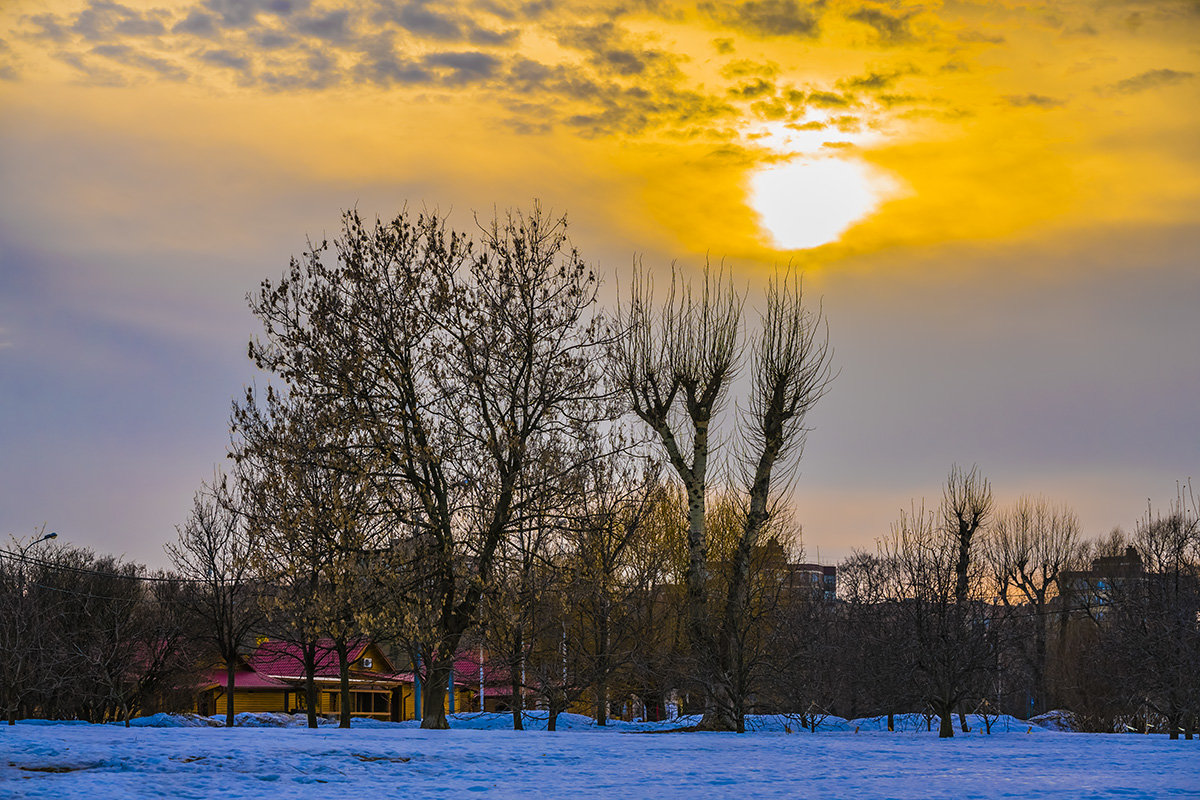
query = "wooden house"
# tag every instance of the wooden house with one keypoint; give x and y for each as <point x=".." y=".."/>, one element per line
<point x="272" y="679"/>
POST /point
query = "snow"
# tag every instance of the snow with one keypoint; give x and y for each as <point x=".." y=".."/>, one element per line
<point x="1057" y="720"/>
<point x="268" y="756"/>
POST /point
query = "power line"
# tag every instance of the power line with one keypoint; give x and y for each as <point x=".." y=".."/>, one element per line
<point x="106" y="574"/>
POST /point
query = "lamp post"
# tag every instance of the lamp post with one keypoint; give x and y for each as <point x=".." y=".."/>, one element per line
<point x="46" y="538"/>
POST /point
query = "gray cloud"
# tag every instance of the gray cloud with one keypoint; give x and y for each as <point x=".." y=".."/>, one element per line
<point x="196" y="23"/>
<point x="465" y="67"/>
<point x="49" y="27"/>
<point x="768" y="17"/>
<point x="1152" y="79"/>
<point x="518" y="9"/>
<point x="331" y="26"/>
<point x="317" y="70"/>
<point x="417" y="17"/>
<point x="91" y="74"/>
<point x="979" y="37"/>
<point x="745" y="67"/>
<point x="611" y="50"/>
<point x="8" y="64"/>
<point x="124" y="54"/>
<point x="242" y="13"/>
<point x="272" y="39"/>
<point x="103" y="19"/>
<point x="752" y="89"/>
<point x="226" y="58"/>
<point x="829" y="99"/>
<point x="423" y="18"/>
<point x="891" y="28"/>
<point x="382" y="64"/>
<point x="1036" y="100"/>
<point x="875" y="79"/>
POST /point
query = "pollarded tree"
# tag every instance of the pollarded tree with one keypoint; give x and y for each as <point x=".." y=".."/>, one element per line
<point x="674" y="365"/>
<point x="675" y="362"/>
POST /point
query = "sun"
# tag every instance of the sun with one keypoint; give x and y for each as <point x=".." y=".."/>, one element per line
<point x="819" y="189"/>
<point x="807" y="202"/>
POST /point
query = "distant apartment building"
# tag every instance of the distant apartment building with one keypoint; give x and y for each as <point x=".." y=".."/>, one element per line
<point x="1090" y="590"/>
<point x="820" y="580"/>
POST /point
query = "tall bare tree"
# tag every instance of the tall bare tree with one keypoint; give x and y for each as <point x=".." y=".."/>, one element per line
<point x="675" y="362"/>
<point x="214" y="552"/>
<point x="1152" y="624"/>
<point x="939" y="594"/>
<point x="455" y="362"/>
<point x="1027" y="550"/>
<point x="675" y="365"/>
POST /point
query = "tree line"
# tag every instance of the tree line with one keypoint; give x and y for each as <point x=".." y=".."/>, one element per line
<point x="458" y="447"/>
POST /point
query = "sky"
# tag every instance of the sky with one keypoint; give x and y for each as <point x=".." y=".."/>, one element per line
<point x="998" y="204"/>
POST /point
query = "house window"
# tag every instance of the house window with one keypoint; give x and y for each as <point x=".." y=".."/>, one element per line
<point x="370" y="703"/>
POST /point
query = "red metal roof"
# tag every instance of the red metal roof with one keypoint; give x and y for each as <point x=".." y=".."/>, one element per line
<point x="286" y="660"/>
<point x="277" y="664"/>
<point x="243" y="678"/>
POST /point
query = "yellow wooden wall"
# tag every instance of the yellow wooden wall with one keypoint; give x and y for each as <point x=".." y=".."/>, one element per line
<point x="327" y="701"/>
<point x="248" y="701"/>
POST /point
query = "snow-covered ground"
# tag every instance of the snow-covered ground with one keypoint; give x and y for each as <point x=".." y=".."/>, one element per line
<point x="192" y="759"/>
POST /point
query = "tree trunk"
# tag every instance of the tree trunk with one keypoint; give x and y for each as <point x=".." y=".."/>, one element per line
<point x="602" y="669"/>
<point x="515" y="680"/>
<point x="946" y="731"/>
<point x="310" y="684"/>
<point x="602" y="701"/>
<point x="553" y="708"/>
<point x="891" y="721"/>
<point x="433" y="699"/>
<point x="343" y="653"/>
<point x="230" y="670"/>
<point x="718" y="712"/>
<point x="1039" y="661"/>
<point x="962" y="721"/>
<point x="946" y="714"/>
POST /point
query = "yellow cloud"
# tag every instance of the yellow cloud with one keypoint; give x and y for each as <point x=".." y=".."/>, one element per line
<point x="996" y="119"/>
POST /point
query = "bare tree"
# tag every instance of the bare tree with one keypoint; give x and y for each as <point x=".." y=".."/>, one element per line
<point x="607" y="529"/>
<point x="1152" y="623"/>
<point x="675" y="364"/>
<point x="1028" y="549"/>
<point x="311" y="514"/>
<point x="454" y="362"/>
<point x="966" y="506"/>
<point x="939" y="594"/>
<point x="876" y="652"/>
<point x="791" y="370"/>
<point x="26" y="624"/>
<point x="215" y="552"/>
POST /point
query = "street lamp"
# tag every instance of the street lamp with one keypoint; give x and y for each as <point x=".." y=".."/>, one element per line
<point x="47" y="537"/>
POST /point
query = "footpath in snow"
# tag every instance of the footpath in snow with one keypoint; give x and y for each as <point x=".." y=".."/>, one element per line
<point x="269" y="756"/>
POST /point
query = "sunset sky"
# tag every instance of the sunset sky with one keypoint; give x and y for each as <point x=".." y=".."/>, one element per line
<point x="999" y="203"/>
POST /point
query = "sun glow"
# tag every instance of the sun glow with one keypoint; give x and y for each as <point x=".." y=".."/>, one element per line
<point x="806" y="202"/>
<point x="813" y="197"/>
